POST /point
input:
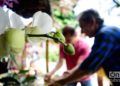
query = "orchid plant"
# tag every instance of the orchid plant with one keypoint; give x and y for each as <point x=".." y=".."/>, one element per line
<point x="14" y="33"/>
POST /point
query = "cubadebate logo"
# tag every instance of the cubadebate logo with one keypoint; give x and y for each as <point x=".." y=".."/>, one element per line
<point x="114" y="76"/>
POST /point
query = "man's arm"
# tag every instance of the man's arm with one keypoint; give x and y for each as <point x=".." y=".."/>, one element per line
<point x="58" y="65"/>
<point x="72" y="76"/>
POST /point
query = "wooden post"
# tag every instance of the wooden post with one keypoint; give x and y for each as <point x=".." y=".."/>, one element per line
<point x="47" y="56"/>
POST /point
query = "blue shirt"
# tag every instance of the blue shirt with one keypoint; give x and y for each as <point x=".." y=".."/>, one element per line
<point x="105" y="51"/>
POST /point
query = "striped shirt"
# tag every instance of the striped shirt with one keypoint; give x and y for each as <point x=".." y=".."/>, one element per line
<point x="105" y="51"/>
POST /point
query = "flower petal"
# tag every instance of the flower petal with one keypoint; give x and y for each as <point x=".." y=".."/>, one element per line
<point x="43" y="21"/>
<point x="4" y="21"/>
<point x="16" y="21"/>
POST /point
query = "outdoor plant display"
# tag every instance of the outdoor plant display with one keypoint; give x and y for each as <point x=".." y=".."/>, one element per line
<point x="13" y="36"/>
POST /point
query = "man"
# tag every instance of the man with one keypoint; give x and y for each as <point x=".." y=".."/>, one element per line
<point x="105" y="51"/>
<point x="82" y="50"/>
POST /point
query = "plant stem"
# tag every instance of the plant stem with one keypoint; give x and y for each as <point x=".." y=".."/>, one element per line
<point x="45" y="35"/>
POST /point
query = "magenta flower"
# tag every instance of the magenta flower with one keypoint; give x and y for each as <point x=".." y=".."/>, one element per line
<point x="8" y="2"/>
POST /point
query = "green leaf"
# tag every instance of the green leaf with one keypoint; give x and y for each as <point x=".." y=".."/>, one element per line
<point x="28" y="79"/>
<point x="23" y="71"/>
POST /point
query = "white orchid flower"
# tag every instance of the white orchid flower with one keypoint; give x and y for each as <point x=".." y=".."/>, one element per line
<point x="12" y="39"/>
<point x="41" y="24"/>
<point x="15" y="37"/>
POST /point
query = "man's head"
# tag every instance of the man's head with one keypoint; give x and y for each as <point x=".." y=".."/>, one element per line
<point x="89" y="22"/>
<point x="69" y="33"/>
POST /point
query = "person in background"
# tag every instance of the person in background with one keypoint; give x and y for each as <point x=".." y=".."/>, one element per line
<point x="105" y="51"/>
<point x="82" y="50"/>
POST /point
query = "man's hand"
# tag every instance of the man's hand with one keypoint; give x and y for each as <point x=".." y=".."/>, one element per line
<point x="59" y="81"/>
<point x="47" y="78"/>
<point x="66" y="73"/>
<point x="54" y="83"/>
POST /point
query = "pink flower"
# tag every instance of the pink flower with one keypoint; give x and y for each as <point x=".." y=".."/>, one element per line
<point x="8" y="2"/>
